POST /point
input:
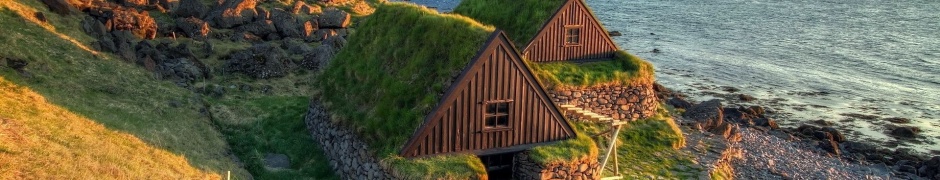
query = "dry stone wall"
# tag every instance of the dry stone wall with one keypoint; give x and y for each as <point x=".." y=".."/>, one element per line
<point x="349" y="157"/>
<point x="619" y="102"/>
<point x="585" y="168"/>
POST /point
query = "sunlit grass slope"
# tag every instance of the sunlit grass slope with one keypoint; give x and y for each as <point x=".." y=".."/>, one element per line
<point x="118" y="95"/>
<point x="40" y="140"/>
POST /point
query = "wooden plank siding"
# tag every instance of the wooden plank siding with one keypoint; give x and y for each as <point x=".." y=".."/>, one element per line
<point x="497" y="73"/>
<point x="549" y="44"/>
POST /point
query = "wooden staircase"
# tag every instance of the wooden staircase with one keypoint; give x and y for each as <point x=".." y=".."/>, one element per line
<point x="611" y="146"/>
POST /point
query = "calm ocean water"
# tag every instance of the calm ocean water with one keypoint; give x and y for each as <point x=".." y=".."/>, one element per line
<point x="809" y="60"/>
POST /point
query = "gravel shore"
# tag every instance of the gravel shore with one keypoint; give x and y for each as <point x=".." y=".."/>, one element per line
<point x="770" y="157"/>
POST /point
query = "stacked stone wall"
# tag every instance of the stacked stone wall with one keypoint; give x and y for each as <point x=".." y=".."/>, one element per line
<point x="349" y="157"/>
<point x="619" y="102"/>
<point x="586" y="168"/>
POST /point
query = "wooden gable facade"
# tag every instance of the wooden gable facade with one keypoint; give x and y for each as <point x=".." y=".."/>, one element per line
<point x="494" y="106"/>
<point x="572" y="33"/>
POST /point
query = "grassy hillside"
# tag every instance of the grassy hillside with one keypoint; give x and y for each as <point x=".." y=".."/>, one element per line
<point x="398" y="64"/>
<point x="124" y="99"/>
<point x="521" y="19"/>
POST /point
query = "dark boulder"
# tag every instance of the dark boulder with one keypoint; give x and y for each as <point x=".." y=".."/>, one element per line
<point x="118" y="18"/>
<point x="232" y="13"/>
<point x="193" y="28"/>
<point x="276" y="161"/>
<point x="831" y="147"/>
<point x="124" y="41"/>
<point x="286" y="24"/>
<point x="334" y="18"/>
<point x="708" y="114"/>
<point x="321" y="56"/>
<point x="15" y="63"/>
<point x="835" y="133"/>
<point x="335" y="43"/>
<point x="898" y="120"/>
<point x="190" y="8"/>
<point x="678" y="102"/>
<point x="905" y="132"/>
<point x="766" y="122"/>
<point x="822" y="136"/>
<point x="930" y="168"/>
<point x="296" y="47"/>
<point x="807" y="130"/>
<point x="302" y="8"/>
<point x="261" y="61"/>
<point x="745" y="97"/>
<point x="258" y="28"/>
<point x="40" y="16"/>
<point x="60" y="7"/>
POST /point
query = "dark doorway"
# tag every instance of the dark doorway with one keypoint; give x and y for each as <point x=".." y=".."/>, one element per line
<point x="498" y="166"/>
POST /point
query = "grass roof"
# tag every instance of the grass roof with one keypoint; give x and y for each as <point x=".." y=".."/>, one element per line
<point x="521" y="19"/>
<point x="395" y="69"/>
<point x="624" y="69"/>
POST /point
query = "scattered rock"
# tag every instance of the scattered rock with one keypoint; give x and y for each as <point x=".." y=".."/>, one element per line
<point x="286" y="23"/>
<point x="745" y="97"/>
<point x="258" y="28"/>
<point x="334" y="18"/>
<point x="302" y="8"/>
<point x="615" y="33"/>
<point x="17" y="64"/>
<point x="194" y="28"/>
<point x="822" y="122"/>
<point x="656" y="50"/>
<point x="708" y="113"/>
<point x="260" y="61"/>
<point x="41" y="17"/>
<point x="278" y="161"/>
<point x="232" y="13"/>
<point x="119" y="18"/>
<point x="730" y="89"/>
<point x="831" y="147"/>
<point x="678" y="103"/>
<point x="190" y="8"/>
<point x="905" y="132"/>
<point x="60" y="7"/>
<point x="835" y="134"/>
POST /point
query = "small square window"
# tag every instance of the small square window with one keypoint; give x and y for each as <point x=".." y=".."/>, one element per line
<point x="497" y="114"/>
<point x="573" y="35"/>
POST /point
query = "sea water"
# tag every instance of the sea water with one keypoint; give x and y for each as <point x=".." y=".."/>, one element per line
<point x="806" y="60"/>
<point x="813" y="60"/>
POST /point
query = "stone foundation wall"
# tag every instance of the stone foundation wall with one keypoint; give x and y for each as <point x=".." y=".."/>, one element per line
<point x="524" y="168"/>
<point x="619" y="102"/>
<point x="349" y="157"/>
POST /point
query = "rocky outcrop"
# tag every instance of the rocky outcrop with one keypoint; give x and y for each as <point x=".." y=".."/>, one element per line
<point x="584" y="168"/>
<point x="190" y="8"/>
<point x="118" y="18"/>
<point x="193" y="28"/>
<point x="261" y="61"/>
<point x="177" y="64"/>
<point x="334" y="18"/>
<point x="619" y="102"/>
<point x="302" y="8"/>
<point x="349" y="157"/>
<point x="708" y="114"/>
<point x="287" y="25"/>
<point x="232" y="13"/>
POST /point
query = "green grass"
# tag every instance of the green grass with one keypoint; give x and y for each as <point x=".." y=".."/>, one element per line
<point x="394" y="70"/>
<point x="453" y="166"/>
<point x="103" y="89"/>
<point x="569" y="150"/>
<point x="272" y="125"/>
<point x="521" y="19"/>
<point x="648" y="148"/>
<point x="625" y="69"/>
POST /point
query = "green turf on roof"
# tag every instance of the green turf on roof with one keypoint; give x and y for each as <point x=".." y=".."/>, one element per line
<point x="395" y="69"/>
<point x="521" y="19"/>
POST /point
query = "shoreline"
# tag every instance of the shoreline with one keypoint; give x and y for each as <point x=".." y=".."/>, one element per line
<point x="767" y="150"/>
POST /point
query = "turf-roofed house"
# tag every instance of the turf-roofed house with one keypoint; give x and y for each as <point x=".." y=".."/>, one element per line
<point x="421" y="95"/>
<point x="573" y="56"/>
<point x="547" y="30"/>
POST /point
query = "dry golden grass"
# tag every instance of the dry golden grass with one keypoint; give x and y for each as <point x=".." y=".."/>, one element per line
<point x="39" y="140"/>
